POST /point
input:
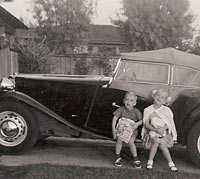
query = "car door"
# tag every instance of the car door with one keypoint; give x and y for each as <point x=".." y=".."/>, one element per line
<point x="184" y="78"/>
<point x="100" y="119"/>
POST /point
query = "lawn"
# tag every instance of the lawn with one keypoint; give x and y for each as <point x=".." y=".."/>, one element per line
<point x="47" y="171"/>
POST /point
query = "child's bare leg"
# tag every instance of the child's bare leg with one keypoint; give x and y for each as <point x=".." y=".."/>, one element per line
<point x="136" y="161"/>
<point x="152" y="154"/>
<point x="165" y="152"/>
<point x="153" y="150"/>
<point x="168" y="157"/>
<point x="132" y="146"/>
<point x="118" y="147"/>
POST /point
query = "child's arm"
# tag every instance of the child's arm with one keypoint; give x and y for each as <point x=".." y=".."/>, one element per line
<point x="161" y="130"/>
<point x="149" y="126"/>
<point x="137" y="124"/>
<point x="139" y="117"/>
<point x="114" y="121"/>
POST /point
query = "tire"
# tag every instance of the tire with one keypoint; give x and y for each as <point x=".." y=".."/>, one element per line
<point x="193" y="144"/>
<point x="19" y="129"/>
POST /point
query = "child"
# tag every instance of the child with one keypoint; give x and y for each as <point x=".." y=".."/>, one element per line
<point x="159" y="128"/>
<point x="131" y="113"/>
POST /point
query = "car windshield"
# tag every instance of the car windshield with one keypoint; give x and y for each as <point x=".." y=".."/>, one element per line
<point x="143" y="72"/>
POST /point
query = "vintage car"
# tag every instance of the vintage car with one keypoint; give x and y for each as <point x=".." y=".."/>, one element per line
<point x="37" y="106"/>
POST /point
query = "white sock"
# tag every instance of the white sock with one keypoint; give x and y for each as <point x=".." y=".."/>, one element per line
<point x="150" y="162"/>
<point x="171" y="164"/>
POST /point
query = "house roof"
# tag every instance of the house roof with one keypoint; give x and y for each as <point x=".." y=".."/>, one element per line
<point x="166" y="55"/>
<point x="10" y="21"/>
<point x="105" y="34"/>
<point x="98" y="34"/>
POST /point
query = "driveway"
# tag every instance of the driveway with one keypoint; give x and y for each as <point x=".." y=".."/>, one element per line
<point x="93" y="153"/>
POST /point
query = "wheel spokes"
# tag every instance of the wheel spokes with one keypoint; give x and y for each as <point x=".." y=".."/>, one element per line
<point x="13" y="128"/>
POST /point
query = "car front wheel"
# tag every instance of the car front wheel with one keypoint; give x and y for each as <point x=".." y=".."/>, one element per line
<point x="18" y="128"/>
<point x="193" y="144"/>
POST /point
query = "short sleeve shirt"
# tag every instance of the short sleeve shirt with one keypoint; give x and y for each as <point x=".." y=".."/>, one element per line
<point x="133" y="114"/>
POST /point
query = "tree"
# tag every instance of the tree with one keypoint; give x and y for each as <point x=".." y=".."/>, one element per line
<point x="191" y="45"/>
<point x="33" y="55"/>
<point x="63" y="22"/>
<point x="81" y="67"/>
<point x="155" y="24"/>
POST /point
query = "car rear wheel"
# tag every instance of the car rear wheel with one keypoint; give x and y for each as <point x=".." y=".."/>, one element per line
<point x="18" y="128"/>
<point x="193" y="144"/>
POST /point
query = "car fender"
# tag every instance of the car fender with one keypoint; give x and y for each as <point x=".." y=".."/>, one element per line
<point x="48" y="120"/>
<point x="186" y="109"/>
<point x="191" y="119"/>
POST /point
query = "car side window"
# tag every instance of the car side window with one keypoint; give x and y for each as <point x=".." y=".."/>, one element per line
<point x="183" y="76"/>
<point x="143" y="72"/>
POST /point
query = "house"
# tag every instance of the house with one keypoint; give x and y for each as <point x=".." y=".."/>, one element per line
<point x="103" y="42"/>
<point x="105" y="38"/>
<point x="9" y="25"/>
<point x="101" y="49"/>
<point x="102" y="39"/>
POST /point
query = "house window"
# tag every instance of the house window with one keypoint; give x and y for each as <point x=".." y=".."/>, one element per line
<point x="183" y="76"/>
<point x="143" y="72"/>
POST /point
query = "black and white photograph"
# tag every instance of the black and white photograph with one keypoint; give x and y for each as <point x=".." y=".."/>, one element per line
<point x="99" y="89"/>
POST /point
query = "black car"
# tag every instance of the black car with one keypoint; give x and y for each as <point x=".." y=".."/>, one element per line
<point x="41" y="105"/>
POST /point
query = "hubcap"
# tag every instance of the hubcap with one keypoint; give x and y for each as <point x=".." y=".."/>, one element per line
<point x="13" y="129"/>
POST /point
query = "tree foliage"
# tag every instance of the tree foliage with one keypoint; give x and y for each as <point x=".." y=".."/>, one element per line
<point x="81" y="67"/>
<point x="154" y="24"/>
<point x="33" y="55"/>
<point x="191" y="45"/>
<point x="63" y="22"/>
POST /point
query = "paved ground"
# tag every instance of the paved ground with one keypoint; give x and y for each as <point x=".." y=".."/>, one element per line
<point x="95" y="153"/>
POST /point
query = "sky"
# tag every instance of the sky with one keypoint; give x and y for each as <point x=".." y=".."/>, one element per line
<point x="106" y="9"/>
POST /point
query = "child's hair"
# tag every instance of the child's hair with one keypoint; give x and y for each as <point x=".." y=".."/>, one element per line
<point x="130" y="93"/>
<point x="155" y="92"/>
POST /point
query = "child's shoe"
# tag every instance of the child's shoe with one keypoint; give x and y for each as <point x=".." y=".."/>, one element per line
<point x="172" y="167"/>
<point x="137" y="164"/>
<point x="118" y="162"/>
<point x="149" y="164"/>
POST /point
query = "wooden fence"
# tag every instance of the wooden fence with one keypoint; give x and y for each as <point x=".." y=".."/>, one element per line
<point x="66" y="64"/>
<point x="57" y="64"/>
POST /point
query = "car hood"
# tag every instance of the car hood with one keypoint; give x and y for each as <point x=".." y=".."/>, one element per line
<point x="99" y="80"/>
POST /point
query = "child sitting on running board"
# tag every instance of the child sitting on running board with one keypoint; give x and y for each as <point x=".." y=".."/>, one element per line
<point x="159" y="128"/>
<point x="130" y="113"/>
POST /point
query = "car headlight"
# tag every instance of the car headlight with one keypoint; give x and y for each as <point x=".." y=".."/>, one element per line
<point x="6" y="84"/>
